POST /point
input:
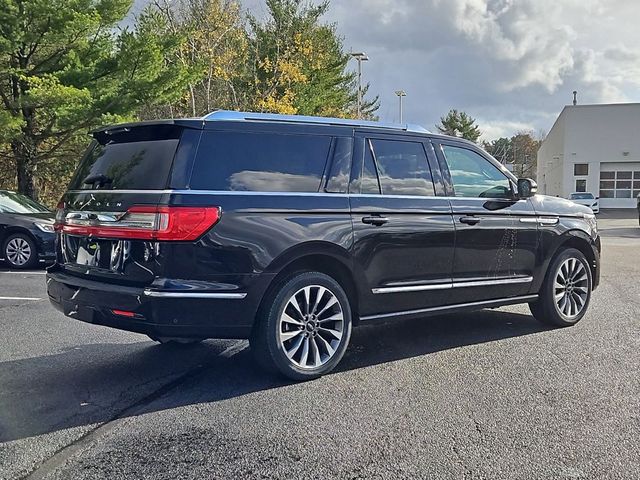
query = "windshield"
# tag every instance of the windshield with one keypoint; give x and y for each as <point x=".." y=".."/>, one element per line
<point x="12" y="202"/>
<point x="581" y="196"/>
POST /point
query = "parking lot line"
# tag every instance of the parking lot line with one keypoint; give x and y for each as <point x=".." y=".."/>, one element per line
<point x="20" y="298"/>
<point x="18" y="272"/>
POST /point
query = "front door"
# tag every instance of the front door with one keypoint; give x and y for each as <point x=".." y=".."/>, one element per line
<point x="496" y="234"/>
<point x="403" y="232"/>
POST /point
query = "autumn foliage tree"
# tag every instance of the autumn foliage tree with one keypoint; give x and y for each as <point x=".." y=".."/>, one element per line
<point x="519" y="150"/>
<point x="214" y="49"/>
<point x="67" y="66"/>
<point x="299" y="65"/>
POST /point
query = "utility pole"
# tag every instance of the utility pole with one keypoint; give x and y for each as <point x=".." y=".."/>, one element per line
<point x="400" y="94"/>
<point x="360" y="57"/>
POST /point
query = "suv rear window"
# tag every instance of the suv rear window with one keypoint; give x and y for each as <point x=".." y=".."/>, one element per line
<point x="260" y="162"/>
<point x="131" y="158"/>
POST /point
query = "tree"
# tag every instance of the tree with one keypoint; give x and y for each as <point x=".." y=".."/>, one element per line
<point x="520" y="150"/>
<point x="65" y="67"/>
<point x="215" y="50"/>
<point x="459" y="124"/>
<point x="525" y="154"/>
<point x="299" y="65"/>
<point x="500" y="149"/>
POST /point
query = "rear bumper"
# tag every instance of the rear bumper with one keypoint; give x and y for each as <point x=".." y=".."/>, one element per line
<point x="194" y="314"/>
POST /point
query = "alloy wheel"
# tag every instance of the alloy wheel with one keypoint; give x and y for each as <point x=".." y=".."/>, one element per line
<point x="18" y="251"/>
<point x="571" y="288"/>
<point x="311" y="326"/>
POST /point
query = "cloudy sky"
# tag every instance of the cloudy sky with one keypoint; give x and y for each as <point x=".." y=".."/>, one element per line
<point x="512" y="64"/>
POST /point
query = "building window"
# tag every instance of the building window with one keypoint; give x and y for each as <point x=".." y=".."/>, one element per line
<point x="581" y="185"/>
<point x="581" y="169"/>
<point x="620" y="184"/>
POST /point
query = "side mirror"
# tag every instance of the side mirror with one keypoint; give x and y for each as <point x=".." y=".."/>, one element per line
<point x="527" y="188"/>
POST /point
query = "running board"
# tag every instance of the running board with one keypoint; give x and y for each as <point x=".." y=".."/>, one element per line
<point x="453" y="308"/>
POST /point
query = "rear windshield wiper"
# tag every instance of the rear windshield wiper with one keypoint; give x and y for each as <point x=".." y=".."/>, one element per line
<point x="97" y="180"/>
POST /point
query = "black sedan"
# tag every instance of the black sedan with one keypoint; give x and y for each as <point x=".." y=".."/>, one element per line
<point x="26" y="231"/>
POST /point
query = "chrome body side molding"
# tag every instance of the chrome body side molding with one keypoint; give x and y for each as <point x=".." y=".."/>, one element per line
<point x="449" y="285"/>
<point x="218" y="295"/>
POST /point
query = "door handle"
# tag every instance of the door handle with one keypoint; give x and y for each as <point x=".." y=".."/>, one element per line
<point x="375" y="220"/>
<point x="470" y="220"/>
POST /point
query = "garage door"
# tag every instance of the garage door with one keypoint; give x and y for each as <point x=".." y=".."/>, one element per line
<point x="619" y="184"/>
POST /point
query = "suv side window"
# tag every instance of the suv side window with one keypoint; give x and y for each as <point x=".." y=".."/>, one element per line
<point x="338" y="179"/>
<point x="474" y="176"/>
<point x="266" y="162"/>
<point x="403" y="168"/>
<point x="369" y="179"/>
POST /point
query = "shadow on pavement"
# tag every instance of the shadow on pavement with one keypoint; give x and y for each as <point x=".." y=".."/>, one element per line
<point x="94" y="383"/>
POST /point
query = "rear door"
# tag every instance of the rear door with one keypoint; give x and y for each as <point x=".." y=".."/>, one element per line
<point x="403" y="232"/>
<point x="123" y="168"/>
<point x="496" y="234"/>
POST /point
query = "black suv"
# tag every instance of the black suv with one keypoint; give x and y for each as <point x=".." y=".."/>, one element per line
<point x="291" y="230"/>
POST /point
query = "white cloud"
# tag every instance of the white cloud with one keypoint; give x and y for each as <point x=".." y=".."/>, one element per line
<point x="511" y="63"/>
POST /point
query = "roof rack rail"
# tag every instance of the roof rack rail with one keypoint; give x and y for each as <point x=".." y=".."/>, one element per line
<point x="227" y="115"/>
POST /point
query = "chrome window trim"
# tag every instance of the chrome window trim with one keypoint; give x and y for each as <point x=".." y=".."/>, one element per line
<point x="289" y="194"/>
<point x="450" y="285"/>
<point x="444" y="308"/>
<point x="218" y="295"/>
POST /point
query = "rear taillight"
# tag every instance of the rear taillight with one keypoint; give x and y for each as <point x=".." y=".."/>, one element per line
<point x="143" y="223"/>
<point x="59" y="215"/>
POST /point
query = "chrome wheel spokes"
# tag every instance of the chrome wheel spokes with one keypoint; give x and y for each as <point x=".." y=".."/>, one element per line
<point x="311" y="326"/>
<point x="571" y="288"/>
<point x="18" y="251"/>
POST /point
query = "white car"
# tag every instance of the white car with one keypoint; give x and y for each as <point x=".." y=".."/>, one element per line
<point x="586" y="198"/>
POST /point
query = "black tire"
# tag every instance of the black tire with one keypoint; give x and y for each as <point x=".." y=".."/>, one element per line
<point x="317" y="332"/>
<point x="551" y="311"/>
<point x="176" y="341"/>
<point x="14" y="249"/>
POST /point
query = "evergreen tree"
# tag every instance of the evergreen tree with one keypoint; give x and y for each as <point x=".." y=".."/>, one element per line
<point x="65" y="68"/>
<point x="459" y="124"/>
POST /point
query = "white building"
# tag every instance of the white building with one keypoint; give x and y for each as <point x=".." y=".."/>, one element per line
<point x="593" y="148"/>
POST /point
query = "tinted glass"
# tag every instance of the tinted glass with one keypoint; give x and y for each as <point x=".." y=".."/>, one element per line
<point x="581" y="169"/>
<point x="624" y="175"/>
<point x="139" y="158"/>
<point x="402" y="168"/>
<point x="260" y="162"/>
<point x="11" y="202"/>
<point x="474" y="176"/>
<point x="582" y="196"/>
<point x="341" y="166"/>
<point x="369" y="181"/>
<point x="581" y="185"/>
<point x="607" y="175"/>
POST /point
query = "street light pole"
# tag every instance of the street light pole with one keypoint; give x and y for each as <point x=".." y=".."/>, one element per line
<point x="360" y="57"/>
<point x="400" y="94"/>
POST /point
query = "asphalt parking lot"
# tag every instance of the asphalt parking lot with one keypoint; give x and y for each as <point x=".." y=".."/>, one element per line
<point x="491" y="394"/>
